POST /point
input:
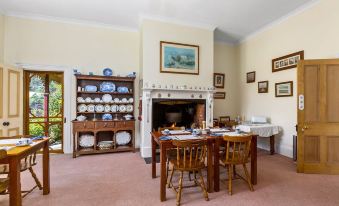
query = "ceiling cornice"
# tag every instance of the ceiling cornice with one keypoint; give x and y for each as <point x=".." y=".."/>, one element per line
<point x="70" y="21"/>
<point x="143" y="17"/>
<point x="282" y="19"/>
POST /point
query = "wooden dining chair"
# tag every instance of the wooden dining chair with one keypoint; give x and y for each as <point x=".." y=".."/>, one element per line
<point x="4" y="182"/>
<point x="190" y="158"/>
<point x="237" y="153"/>
<point x="26" y="164"/>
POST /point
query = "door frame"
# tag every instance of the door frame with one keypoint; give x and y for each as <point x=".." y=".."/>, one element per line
<point x="68" y="83"/>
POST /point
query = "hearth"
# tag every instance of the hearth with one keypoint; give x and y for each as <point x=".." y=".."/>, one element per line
<point x="178" y="113"/>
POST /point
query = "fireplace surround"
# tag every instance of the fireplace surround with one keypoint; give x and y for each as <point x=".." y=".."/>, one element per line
<point x="152" y="96"/>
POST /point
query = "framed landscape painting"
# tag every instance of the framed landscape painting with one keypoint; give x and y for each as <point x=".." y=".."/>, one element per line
<point x="263" y="87"/>
<point x="284" y="89"/>
<point x="179" y="58"/>
<point x="219" y="95"/>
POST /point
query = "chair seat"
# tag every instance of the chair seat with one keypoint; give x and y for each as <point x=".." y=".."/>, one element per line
<point x="193" y="166"/>
<point x="24" y="165"/>
<point x="236" y="161"/>
<point x="3" y="184"/>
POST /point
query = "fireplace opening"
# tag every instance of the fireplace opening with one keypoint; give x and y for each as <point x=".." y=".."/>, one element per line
<point x="178" y="113"/>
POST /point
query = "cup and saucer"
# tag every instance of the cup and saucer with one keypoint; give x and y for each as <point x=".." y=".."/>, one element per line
<point x="23" y="142"/>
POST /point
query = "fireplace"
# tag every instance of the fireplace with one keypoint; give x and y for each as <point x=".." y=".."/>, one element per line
<point x="178" y="113"/>
<point x="178" y="105"/>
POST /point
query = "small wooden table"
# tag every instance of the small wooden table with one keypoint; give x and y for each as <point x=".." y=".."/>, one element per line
<point x="14" y="157"/>
<point x="213" y="147"/>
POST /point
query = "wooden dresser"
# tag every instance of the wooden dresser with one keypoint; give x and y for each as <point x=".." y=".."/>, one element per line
<point x="95" y="126"/>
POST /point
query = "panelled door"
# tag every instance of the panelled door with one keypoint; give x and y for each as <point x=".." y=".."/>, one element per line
<point x="10" y="101"/>
<point x="318" y="116"/>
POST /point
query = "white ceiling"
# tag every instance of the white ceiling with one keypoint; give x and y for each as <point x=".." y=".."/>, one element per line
<point x="234" y="19"/>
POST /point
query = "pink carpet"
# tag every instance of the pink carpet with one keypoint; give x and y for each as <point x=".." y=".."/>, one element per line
<point x="125" y="179"/>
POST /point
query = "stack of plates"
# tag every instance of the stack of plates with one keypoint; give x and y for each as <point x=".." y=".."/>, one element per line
<point x="105" y="145"/>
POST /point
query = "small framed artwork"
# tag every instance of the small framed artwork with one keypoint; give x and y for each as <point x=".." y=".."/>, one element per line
<point x="219" y="80"/>
<point x="219" y="95"/>
<point x="284" y="89"/>
<point x="263" y="87"/>
<point x="224" y="118"/>
<point x="179" y="58"/>
<point x="287" y="62"/>
<point x="250" y="77"/>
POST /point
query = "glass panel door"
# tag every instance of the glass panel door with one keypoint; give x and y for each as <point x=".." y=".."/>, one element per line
<point x="44" y="106"/>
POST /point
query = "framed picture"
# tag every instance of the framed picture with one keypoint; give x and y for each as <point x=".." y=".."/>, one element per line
<point x="263" y="87"/>
<point x="224" y="118"/>
<point x="284" y="89"/>
<point x="287" y="62"/>
<point x="179" y="58"/>
<point x="219" y="80"/>
<point x="219" y="95"/>
<point x="250" y="77"/>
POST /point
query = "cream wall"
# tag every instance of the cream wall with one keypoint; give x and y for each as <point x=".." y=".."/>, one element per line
<point x="316" y="32"/>
<point x="66" y="45"/>
<point x="225" y="61"/>
<point x="2" y="31"/>
<point x="154" y="31"/>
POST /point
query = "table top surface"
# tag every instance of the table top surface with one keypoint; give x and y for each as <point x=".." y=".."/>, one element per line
<point x="19" y="150"/>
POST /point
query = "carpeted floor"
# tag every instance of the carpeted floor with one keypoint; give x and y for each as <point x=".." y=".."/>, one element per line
<point x="125" y="179"/>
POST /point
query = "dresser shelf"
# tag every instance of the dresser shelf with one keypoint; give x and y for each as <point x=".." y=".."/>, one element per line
<point x="103" y="130"/>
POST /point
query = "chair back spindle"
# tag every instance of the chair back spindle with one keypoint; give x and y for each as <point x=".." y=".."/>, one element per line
<point x="190" y="154"/>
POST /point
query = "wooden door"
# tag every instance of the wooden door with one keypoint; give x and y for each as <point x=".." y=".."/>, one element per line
<point x="10" y="101"/>
<point x="318" y="116"/>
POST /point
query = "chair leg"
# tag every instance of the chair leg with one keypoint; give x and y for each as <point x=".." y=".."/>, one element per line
<point x="35" y="178"/>
<point x="170" y="179"/>
<point x="230" y="172"/>
<point x="248" y="178"/>
<point x="203" y="187"/>
<point x="180" y="188"/>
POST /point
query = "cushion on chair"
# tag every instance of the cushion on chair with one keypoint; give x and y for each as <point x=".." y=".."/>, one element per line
<point x="3" y="184"/>
<point x="24" y="165"/>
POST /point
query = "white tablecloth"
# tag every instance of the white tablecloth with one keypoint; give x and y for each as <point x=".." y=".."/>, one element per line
<point x="262" y="130"/>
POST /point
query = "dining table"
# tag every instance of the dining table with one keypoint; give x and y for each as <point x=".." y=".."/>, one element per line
<point x="14" y="156"/>
<point x="214" y="143"/>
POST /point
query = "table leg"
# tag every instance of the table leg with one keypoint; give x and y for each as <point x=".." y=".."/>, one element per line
<point x="154" y="145"/>
<point x="216" y="165"/>
<point x="272" y="144"/>
<point x="163" y="178"/>
<point x="210" y="166"/>
<point x="14" y="182"/>
<point x="74" y="145"/>
<point x="254" y="160"/>
<point x="45" y="166"/>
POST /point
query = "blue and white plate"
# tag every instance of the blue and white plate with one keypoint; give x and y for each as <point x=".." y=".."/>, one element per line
<point x="107" y="117"/>
<point x="107" y="72"/>
<point x="122" y="89"/>
<point x="99" y="108"/>
<point x="91" y="88"/>
<point x="107" y="87"/>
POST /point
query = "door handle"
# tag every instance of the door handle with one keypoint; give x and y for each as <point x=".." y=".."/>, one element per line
<point x="5" y="124"/>
<point x="305" y="127"/>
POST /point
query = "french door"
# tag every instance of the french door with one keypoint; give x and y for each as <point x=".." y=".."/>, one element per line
<point x="43" y="106"/>
<point x="318" y="116"/>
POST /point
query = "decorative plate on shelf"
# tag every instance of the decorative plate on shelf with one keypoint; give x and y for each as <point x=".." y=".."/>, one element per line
<point x="131" y="100"/>
<point x="122" y="89"/>
<point x="88" y="100"/>
<point x="86" y="140"/>
<point x="114" y="108"/>
<point x="106" y="98"/>
<point x="97" y="100"/>
<point x="124" y="100"/>
<point x="80" y="99"/>
<point x="82" y="108"/>
<point x="107" y="117"/>
<point x="129" y="108"/>
<point x="99" y="108"/>
<point x="91" y="88"/>
<point x="90" y="108"/>
<point x="107" y="108"/>
<point x="116" y="100"/>
<point x="107" y="72"/>
<point x="123" y="138"/>
<point x="107" y="87"/>
<point x="122" y="108"/>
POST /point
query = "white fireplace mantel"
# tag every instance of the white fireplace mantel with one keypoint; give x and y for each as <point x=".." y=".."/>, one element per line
<point x="148" y="94"/>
